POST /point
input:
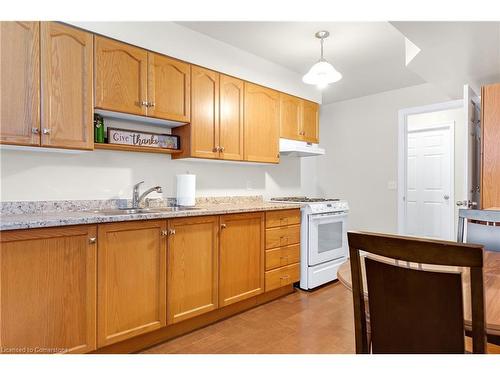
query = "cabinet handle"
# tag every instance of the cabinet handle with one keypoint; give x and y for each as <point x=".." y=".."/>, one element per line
<point x="144" y="103"/>
<point x="164" y="232"/>
<point x="92" y="240"/>
<point x="35" y="130"/>
<point x="216" y="149"/>
<point x="221" y="149"/>
<point x="223" y="226"/>
<point x="46" y="131"/>
<point x="152" y="104"/>
<point x="284" y="277"/>
<point x="171" y="231"/>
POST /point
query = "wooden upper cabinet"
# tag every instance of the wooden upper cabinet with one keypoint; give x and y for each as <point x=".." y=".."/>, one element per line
<point x="168" y="88"/>
<point x="204" y="113"/>
<point x="121" y="77"/>
<point x="193" y="258"/>
<point x="48" y="284"/>
<point x="310" y="122"/>
<point x="261" y="124"/>
<point x="241" y="265"/>
<point x="490" y="146"/>
<point x="290" y="117"/>
<point x="131" y="290"/>
<point x="67" y="81"/>
<point x="20" y="83"/>
<point x="231" y="118"/>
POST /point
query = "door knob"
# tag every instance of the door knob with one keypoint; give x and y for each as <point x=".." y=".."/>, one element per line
<point x="46" y="131"/>
<point x="446" y="197"/>
<point x="92" y="240"/>
<point x="223" y="226"/>
<point x="171" y="231"/>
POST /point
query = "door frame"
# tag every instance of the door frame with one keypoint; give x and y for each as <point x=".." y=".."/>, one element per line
<point x="402" y="155"/>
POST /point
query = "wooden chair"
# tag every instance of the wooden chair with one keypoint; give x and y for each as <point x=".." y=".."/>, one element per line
<point x="479" y="226"/>
<point x="415" y="310"/>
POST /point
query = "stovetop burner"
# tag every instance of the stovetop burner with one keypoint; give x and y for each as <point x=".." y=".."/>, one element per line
<point x="302" y="199"/>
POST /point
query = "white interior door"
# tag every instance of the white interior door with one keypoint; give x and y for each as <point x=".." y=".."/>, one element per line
<point x="470" y="197"/>
<point x="429" y="190"/>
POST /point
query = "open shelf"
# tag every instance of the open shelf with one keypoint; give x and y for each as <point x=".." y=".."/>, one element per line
<point x="117" y="147"/>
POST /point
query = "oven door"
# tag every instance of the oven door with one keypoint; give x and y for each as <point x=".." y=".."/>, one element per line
<point x="327" y="237"/>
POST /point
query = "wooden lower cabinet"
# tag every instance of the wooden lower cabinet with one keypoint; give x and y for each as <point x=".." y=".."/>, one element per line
<point x="282" y="276"/>
<point x="193" y="260"/>
<point x="241" y="273"/>
<point x="131" y="291"/>
<point x="48" y="290"/>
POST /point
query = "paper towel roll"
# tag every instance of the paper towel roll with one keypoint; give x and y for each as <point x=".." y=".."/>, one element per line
<point x="186" y="188"/>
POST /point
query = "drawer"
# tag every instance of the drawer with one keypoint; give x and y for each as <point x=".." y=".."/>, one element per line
<point x="282" y="256"/>
<point x="282" y="236"/>
<point x="281" y="218"/>
<point x="282" y="276"/>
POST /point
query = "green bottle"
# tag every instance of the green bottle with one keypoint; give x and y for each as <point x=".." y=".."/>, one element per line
<point x="98" y="128"/>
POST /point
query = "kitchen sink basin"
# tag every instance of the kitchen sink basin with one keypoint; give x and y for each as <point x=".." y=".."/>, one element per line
<point x="130" y="211"/>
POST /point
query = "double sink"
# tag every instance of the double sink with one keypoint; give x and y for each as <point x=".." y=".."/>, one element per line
<point x="130" y="211"/>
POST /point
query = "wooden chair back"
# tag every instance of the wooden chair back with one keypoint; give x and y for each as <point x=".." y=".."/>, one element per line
<point x="479" y="226"/>
<point x="415" y="310"/>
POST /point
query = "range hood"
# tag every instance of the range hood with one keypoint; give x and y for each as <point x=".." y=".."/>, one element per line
<point x="299" y="149"/>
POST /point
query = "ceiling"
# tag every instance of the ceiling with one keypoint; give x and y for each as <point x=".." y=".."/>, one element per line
<point x="455" y="53"/>
<point x="370" y="55"/>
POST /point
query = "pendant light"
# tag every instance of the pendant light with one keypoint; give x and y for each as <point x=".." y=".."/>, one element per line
<point x="322" y="73"/>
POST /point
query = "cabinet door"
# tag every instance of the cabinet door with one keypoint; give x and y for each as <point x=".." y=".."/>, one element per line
<point x="168" y="88"/>
<point x="20" y="83"/>
<point x="290" y="117"/>
<point x="241" y="257"/>
<point x="490" y="148"/>
<point x="193" y="258"/>
<point x="131" y="289"/>
<point x="48" y="284"/>
<point x="121" y="77"/>
<point x="310" y="122"/>
<point x="262" y="124"/>
<point x="67" y="81"/>
<point x="204" y="113"/>
<point x="231" y="118"/>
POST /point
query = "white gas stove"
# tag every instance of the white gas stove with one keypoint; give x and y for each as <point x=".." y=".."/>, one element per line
<point x="323" y="238"/>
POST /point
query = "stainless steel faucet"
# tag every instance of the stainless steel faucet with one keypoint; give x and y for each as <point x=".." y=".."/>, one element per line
<point x="137" y="199"/>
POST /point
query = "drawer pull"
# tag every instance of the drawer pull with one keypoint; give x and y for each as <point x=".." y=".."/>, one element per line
<point x="284" y="277"/>
<point x="92" y="240"/>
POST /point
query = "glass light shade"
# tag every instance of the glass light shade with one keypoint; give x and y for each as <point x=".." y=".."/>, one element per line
<point x="321" y="74"/>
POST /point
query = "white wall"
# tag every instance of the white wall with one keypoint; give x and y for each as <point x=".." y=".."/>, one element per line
<point x="360" y="137"/>
<point x="101" y="174"/>
<point x="183" y="43"/>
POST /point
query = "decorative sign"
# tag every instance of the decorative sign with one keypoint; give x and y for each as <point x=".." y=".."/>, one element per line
<point x="143" y="139"/>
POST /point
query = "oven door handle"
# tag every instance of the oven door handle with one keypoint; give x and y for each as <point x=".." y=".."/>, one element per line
<point x="332" y="215"/>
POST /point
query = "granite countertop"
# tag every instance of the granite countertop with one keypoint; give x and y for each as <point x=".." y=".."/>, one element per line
<point x="10" y="220"/>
